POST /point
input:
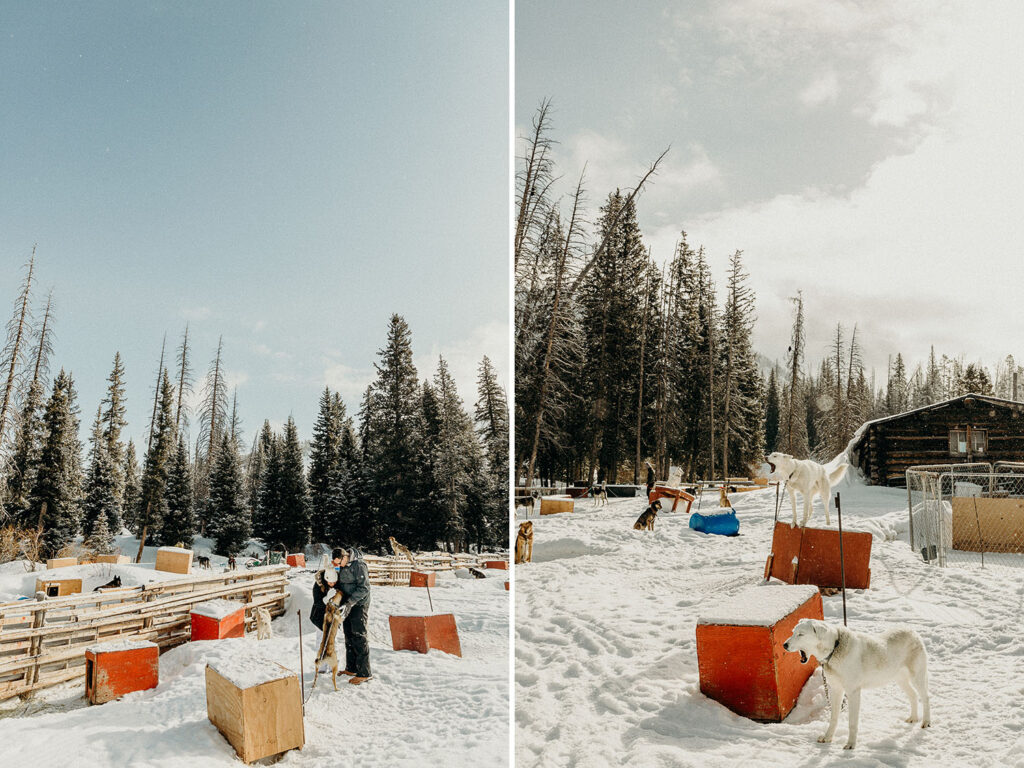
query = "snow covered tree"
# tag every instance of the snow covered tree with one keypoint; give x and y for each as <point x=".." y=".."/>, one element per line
<point x="101" y="510"/>
<point x="24" y="463"/>
<point x="132" y="488"/>
<point x="13" y="356"/>
<point x="974" y="379"/>
<point x="55" y="500"/>
<point x="268" y="504"/>
<point x="229" y="520"/>
<point x="157" y="464"/>
<point x="184" y="387"/>
<point x="389" y="433"/>
<point x="113" y="418"/>
<point x="793" y="438"/>
<point x="178" y="524"/>
<point x="289" y="523"/>
<point x="213" y="417"/>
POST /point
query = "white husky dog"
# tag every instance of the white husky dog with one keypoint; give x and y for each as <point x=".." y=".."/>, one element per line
<point x="808" y="477"/>
<point x="855" y="660"/>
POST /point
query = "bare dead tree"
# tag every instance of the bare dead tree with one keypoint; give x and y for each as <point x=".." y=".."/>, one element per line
<point x="14" y="350"/>
<point x="44" y="344"/>
<point x="156" y="394"/>
<point x="535" y="180"/>
<point x="184" y="381"/>
<point x="615" y="222"/>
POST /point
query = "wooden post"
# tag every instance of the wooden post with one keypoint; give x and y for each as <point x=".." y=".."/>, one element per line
<point x="842" y="561"/>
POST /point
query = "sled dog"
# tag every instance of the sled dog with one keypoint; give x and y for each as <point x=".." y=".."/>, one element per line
<point x="524" y="543"/>
<point x="646" y="520"/>
<point x="600" y="495"/>
<point x="855" y="660"/>
<point x="527" y="502"/>
<point x="112" y="584"/>
<point x="723" y="498"/>
<point x="204" y="562"/>
<point x="808" y="477"/>
<point x="263" y="629"/>
<point x="401" y="550"/>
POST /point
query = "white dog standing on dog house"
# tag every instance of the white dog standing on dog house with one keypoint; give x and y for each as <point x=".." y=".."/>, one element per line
<point x="855" y="660"/>
<point x="808" y="477"/>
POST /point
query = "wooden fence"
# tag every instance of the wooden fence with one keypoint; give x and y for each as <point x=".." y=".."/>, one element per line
<point x="42" y="643"/>
<point x="394" y="570"/>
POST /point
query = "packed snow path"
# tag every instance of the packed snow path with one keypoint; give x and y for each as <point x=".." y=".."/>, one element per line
<point x="418" y="710"/>
<point x="606" y="663"/>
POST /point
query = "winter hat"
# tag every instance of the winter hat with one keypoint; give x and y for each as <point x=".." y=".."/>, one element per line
<point x="330" y="575"/>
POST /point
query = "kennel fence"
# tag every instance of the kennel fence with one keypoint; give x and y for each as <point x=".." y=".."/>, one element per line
<point x="968" y="515"/>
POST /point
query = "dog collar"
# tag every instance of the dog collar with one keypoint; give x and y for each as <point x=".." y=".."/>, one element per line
<point x="834" y="649"/>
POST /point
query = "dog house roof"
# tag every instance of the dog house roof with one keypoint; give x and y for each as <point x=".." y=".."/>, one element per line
<point x="760" y="606"/>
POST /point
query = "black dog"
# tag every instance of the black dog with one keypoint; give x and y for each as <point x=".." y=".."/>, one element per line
<point x="204" y="562"/>
<point x="114" y="582"/>
<point x="231" y="563"/>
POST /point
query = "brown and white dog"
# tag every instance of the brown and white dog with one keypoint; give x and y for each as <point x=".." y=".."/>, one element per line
<point x="646" y="520"/>
<point x="524" y="543"/>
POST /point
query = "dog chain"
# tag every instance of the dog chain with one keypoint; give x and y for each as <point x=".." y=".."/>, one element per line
<point x="828" y="696"/>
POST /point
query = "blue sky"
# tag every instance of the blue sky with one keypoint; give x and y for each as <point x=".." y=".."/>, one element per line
<point x="286" y="175"/>
<point x="866" y="153"/>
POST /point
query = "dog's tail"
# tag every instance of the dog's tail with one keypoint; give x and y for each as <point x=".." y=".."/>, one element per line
<point x="837" y="474"/>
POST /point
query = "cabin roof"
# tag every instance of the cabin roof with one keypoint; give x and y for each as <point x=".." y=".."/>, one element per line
<point x="989" y="399"/>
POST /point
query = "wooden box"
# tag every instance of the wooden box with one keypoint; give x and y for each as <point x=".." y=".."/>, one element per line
<point x="668" y="492"/>
<point x="506" y="586"/>
<point x="497" y="565"/>
<point x="114" y="669"/>
<point x="61" y="562"/>
<point x="218" y="619"/>
<point x="553" y="505"/>
<point x="113" y="559"/>
<point x="425" y="633"/>
<point x="174" y="560"/>
<point x="811" y="556"/>
<point x="420" y="579"/>
<point x="988" y="525"/>
<point x="59" y="587"/>
<point x="256" y="705"/>
<point x="740" y="657"/>
<point x="297" y="560"/>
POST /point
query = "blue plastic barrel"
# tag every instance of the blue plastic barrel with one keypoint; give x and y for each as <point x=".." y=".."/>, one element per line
<point x="722" y="523"/>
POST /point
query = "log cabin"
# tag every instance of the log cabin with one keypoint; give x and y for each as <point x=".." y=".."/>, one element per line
<point x="969" y="428"/>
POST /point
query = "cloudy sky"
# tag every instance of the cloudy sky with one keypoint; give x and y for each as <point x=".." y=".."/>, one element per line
<point x="286" y="175"/>
<point x="869" y="154"/>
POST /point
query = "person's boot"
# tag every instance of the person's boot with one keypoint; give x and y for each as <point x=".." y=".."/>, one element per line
<point x="356" y="680"/>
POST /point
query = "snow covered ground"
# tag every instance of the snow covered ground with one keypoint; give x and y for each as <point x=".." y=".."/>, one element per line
<point x="418" y="710"/>
<point x="605" y="642"/>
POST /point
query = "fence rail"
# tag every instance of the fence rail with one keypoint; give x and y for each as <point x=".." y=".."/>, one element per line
<point x="394" y="570"/>
<point x="42" y="643"/>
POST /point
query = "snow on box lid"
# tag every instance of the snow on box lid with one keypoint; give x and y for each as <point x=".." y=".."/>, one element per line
<point x="121" y="645"/>
<point x="761" y="606"/>
<point x="218" y="609"/>
<point x="178" y="550"/>
<point x="249" y="671"/>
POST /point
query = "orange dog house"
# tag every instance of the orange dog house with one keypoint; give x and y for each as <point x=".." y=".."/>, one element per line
<point x="297" y="560"/>
<point x="114" y="669"/>
<point x="740" y="656"/>
<point x="498" y="565"/>
<point x="218" y="619"/>
<point x="425" y="633"/>
<point x="811" y="556"/>
<point x="421" y="579"/>
<point x="668" y="492"/>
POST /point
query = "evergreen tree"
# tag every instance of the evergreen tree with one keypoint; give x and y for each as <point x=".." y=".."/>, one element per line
<point x="771" y="413"/>
<point x="265" y="523"/>
<point x="213" y="418"/>
<point x="289" y="522"/>
<point x="101" y="510"/>
<point x="24" y="462"/>
<point x="324" y="460"/>
<point x="229" y="520"/>
<point x="132" y="488"/>
<point x="974" y="380"/>
<point x="55" y="495"/>
<point x="488" y="504"/>
<point x="114" y="422"/>
<point x="794" y="437"/>
<point x="258" y="462"/>
<point x="157" y="463"/>
<point x="896" y="394"/>
<point x="455" y="452"/>
<point x="178" y="524"/>
<point x="390" y="437"/>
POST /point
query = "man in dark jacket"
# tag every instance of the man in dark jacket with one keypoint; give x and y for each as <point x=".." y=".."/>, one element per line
<point x="349" y="575"/>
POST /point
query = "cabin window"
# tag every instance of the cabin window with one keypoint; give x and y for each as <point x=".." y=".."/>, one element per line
<point x="958" y="442"/>
<point x="961" y="439"/>
<point x="979" y="441"/>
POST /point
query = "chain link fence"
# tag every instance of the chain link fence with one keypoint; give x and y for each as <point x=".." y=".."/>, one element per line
<point x="968" y="515"/>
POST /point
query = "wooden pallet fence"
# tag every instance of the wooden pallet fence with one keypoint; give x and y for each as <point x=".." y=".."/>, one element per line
<point x="394" y="571"/>
<point x="43" y="643"/>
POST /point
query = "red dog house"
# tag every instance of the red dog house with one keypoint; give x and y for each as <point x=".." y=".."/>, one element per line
<point x="740" y="656"/>
<point x="422" y="579"/>
<point x="811" y="556"/>
<point x="297" y="560"/>
<point x="218" y="619"/>
<point x="425" y="633"/>
<point x="114" y="669"/>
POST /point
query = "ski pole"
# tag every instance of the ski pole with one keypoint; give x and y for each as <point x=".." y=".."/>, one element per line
<point x="842" y="560"/>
